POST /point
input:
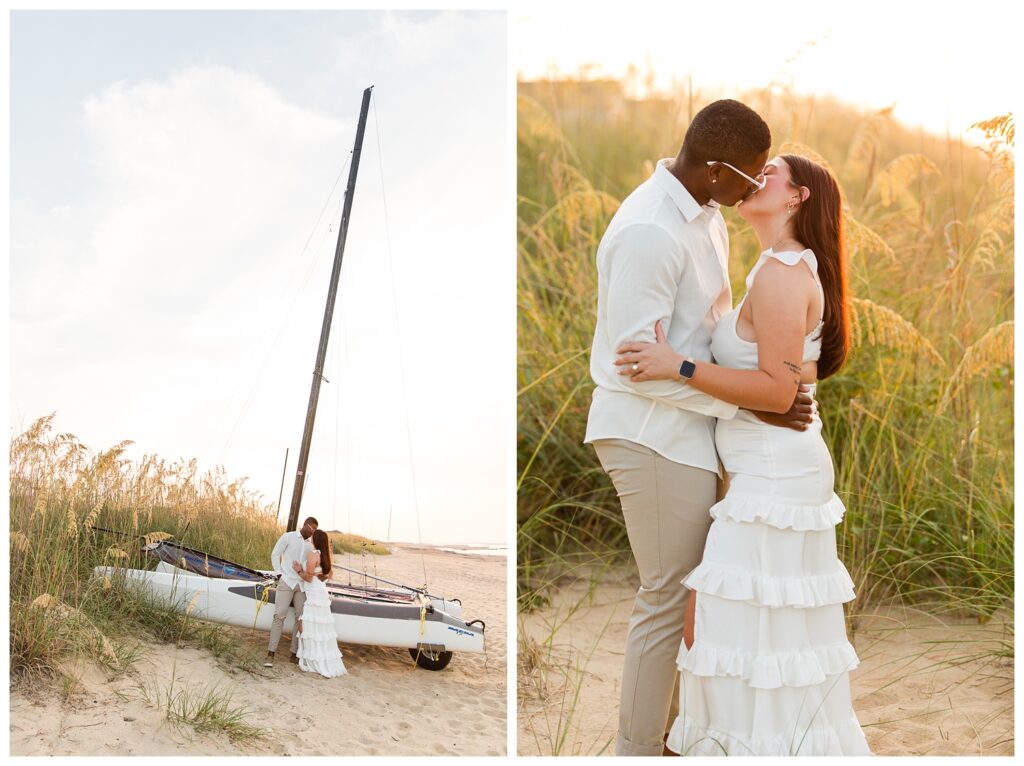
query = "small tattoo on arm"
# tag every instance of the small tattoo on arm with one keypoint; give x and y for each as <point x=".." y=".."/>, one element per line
<point x="796" y="368"/>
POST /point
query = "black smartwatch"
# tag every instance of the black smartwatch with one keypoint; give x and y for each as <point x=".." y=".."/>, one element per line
<point x="687" y="368"/>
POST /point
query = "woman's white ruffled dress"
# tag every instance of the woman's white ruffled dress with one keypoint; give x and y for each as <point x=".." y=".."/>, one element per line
<point x="318" y="641"/>
<point x="768" y="670"/>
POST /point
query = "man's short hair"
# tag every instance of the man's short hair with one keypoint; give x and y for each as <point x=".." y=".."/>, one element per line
<point x="312" y="521"/>
<point x="726" y="131"/>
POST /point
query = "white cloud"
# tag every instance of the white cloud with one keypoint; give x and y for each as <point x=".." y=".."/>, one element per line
<point x="145" y="308"/>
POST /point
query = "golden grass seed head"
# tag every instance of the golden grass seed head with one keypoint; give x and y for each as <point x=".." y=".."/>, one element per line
<point x="897" y="176"/>
<point x="94" y="514"/>
<point x="45" y="601"/>
<point x="156" y="537"/>
<point x="72" y="527"/>
<point x="19" y="543"/>
<point x="992" y="350"/>
<point x="863" y="239"/>
<point x="534" y="124"/>
<point x="876" y="325"/>
<point x="800" y="150"/>
<point x="42" y="496"/>
<point x="113" y="552"/>
<point x="998" y="128"/>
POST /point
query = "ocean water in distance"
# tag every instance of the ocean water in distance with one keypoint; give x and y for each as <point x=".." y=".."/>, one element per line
<point x="486" y="549"/>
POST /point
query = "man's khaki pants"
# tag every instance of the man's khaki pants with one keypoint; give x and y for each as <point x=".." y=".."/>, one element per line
<point x="665" y="506"/>
<point x="284" y="597"/>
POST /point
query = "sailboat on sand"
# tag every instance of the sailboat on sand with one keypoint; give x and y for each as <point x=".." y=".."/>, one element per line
<point x="385" y="613"/>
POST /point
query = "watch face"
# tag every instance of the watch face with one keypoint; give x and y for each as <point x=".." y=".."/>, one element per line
<point x="687" y="369"/>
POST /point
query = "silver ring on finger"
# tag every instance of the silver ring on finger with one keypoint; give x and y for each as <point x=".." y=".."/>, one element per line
<point x="635" y="366"/>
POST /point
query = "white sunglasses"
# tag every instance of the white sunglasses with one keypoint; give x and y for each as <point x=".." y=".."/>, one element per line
<point x="758" y="183"/>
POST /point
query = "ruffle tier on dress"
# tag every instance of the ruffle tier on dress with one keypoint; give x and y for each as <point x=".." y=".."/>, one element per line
<point x="768" y="670"/>
<point x="318" y="642"/>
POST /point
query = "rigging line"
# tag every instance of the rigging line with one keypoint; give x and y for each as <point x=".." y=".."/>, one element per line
<point x="284" y="322"/>
<point x="287" y="316"/>
<point x="398" y="335"/>
<point x="326" y="203"/>
<point x="348" y="430"/>
<point x="320" y="454"/>
<point x="251" y="396"/>
<point x="332" y="353"/>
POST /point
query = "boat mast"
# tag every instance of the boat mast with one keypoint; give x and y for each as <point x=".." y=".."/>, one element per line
<point x="325" y="331"/>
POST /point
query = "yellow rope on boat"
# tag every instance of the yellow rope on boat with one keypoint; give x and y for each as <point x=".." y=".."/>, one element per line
<point x="423" y="631"/>
<point x="259" y="605"/>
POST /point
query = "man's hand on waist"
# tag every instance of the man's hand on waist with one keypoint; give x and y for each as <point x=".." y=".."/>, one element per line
<point x="800" y="415"/>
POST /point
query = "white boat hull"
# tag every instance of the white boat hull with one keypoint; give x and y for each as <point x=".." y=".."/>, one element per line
<point x="418" y="623"/>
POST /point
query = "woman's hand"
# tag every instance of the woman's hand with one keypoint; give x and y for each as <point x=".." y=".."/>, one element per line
<point x="649" y="361"/>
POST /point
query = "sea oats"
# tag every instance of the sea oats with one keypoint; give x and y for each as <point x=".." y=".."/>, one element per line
<point x="533" y="123"/>
<point x="1001" y="127"/>
<point x="93" y="515"/>
<point x="875" y="325"/>
<point x="863" y="144"/>
<point x="800" y="150"/>
<point x="72" y="527"/>
<point x="19" y="542"/>
<point x="104" y="647"/>
<point x="45" y="601"/>
<point x="897" y="176"/>
<point x="992" y="350"/>
<point x="42" y="496"/>
<point x="863" y="239"/>
<point x="989" y="247"/>
<point x="156" y="537"/>
<point x="113" y="552"/>
<point x="581" y="211"/>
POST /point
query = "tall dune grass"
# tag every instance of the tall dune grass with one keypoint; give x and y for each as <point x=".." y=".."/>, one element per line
<point x="919" y="422"/>
<point x="62" y="494"/>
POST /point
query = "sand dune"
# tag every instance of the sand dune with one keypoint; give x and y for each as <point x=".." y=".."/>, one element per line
<point x="386" y="706"/>
<point x="925" y="686"/>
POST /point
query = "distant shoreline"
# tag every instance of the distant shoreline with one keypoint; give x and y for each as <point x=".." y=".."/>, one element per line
<point x="480" y="550"/>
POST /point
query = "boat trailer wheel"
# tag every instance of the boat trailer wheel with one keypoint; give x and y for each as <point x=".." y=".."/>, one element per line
<point x="430" y="659"/>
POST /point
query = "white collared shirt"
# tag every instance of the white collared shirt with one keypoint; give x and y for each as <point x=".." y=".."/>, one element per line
<point x="663" y="257"/>
<point x="290" y="548"/>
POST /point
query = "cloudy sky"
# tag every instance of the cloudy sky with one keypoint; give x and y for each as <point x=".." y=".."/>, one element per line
<point x="943" y="65"/>
<point x="169" y="269"/>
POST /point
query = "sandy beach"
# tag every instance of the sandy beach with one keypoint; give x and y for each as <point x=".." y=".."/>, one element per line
<point x="925" y="685"/>
<point x="385" y="706"/>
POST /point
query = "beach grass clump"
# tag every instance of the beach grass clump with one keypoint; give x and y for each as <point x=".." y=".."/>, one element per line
<point x="920" y="420"/>
<point x="72" y="510"/>
<point x="345" y="542"/>
<point x="202" y="708"/>
<point x="210" y="709"/>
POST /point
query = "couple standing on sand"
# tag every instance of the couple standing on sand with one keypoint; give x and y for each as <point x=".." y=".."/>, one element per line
<point x="748" y="608"/>
<point x="303" y="559"/>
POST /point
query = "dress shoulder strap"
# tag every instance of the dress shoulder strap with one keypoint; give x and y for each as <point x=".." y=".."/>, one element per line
<point x="788" y="257"/>
<point x="792" y="258"/>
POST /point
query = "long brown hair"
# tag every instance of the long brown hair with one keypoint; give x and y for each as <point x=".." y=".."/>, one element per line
<point x="323" y="544"/>
<point x="819" y="225"/>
